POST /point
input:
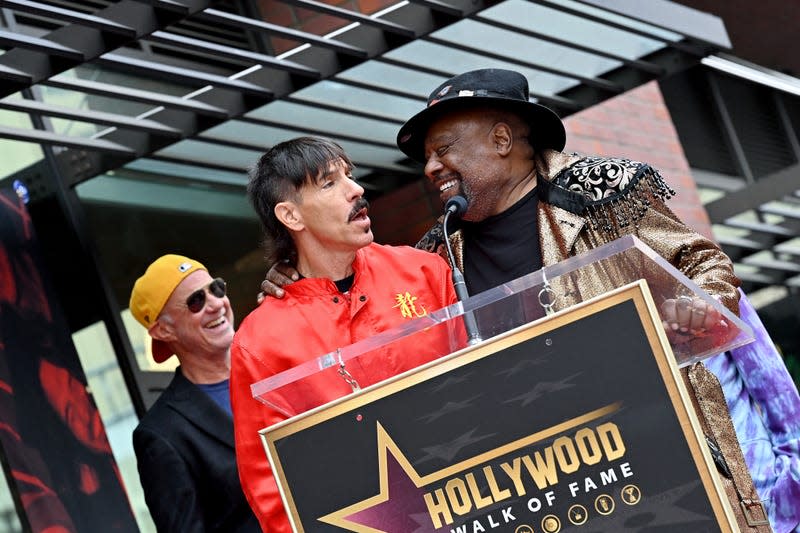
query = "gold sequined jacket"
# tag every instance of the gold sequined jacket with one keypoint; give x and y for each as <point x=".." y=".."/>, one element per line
<point x="585" y="202"/>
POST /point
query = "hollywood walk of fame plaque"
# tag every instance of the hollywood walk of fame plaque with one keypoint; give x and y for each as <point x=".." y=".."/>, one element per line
<point x="575" y="422"/>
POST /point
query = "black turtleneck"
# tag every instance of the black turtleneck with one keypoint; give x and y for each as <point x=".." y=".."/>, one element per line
<point x="502" y="247"/>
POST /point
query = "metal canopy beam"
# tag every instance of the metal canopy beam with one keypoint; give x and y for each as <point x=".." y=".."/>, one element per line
<point x="68" y="15"/>
<point x="370" y="86"/>
<point x="43" y="46"/>
<point x="88" y="115"/>
<point x="237" y="54"/>
<point x="781" y="211"/>
<point x="376" y="38"/>
<point x="317" y="131"/>
<point x="15" y="76"/>
<point x="688" y="21"/>
<point x="259" y="78"/>
<point x="556" y="101"/>
<point x="340" y="109"/>
<point x="597" y="83"/>
<point x="651" y="68"/>
<point x="670" y="59"/>
<point x="760" y="227"/>
<point x="50" y="138"/>
<point x="229" y="168"/>
<point x="187" y="76"/>
<point x="441" y="7"/>
<point x="91" y="42"/>
<point x="353" y="16"/>
<point x="300" y="37"/>
<point x="182" y="161"/>
<point x="760" y="279"/>
<point x="771" y="188"/>
<point x="782" y="267"/>
<point x="136" y="95"/>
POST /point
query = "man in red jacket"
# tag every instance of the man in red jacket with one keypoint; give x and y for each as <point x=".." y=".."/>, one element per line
<point x="350" y="288"/>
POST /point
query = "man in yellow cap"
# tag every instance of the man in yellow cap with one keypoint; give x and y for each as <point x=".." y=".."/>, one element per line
<point x="184" y="444"/>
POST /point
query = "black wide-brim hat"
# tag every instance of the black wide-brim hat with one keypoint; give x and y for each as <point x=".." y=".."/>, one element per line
<point x="503" y="89"/>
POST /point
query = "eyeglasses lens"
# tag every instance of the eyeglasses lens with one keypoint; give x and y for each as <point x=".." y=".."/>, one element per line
<point x="197" y="300"/>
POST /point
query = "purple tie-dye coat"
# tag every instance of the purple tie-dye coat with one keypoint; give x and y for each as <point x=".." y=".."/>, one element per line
<point x="765" y="408"/>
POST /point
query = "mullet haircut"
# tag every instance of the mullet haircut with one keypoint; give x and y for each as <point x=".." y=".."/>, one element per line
<point x="278" y="176"/>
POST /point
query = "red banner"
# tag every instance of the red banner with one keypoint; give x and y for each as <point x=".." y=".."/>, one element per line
<point x="55" y="452"/>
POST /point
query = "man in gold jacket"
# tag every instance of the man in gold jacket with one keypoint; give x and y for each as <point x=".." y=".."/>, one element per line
<point x="529" y="205"/>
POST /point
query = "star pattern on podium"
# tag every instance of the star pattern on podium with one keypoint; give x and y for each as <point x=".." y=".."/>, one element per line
<point x="449" y="408"/>
<point x="451" y="381"/>
<point x="447" y="451"/>
<point x="398" y="507"/>
<point x="542" y="389"/>
<point x="521" y="366"/>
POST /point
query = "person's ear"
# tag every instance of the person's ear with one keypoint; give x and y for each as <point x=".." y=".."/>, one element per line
<point x="289" y="215"/>
<point x="503" y="138"/>
<point x="162" y="330"/>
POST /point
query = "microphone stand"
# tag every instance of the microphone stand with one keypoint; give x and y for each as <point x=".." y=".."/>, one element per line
<point x="457" y="205"/>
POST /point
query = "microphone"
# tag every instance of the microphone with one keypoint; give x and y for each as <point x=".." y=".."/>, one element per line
<point x="457" y="205"/>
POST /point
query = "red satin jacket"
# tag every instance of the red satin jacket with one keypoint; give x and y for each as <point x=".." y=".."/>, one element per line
<point x="392" y="285"/>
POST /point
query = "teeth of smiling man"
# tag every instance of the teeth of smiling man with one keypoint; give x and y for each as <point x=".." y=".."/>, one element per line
<point x="217" y="322"/>
<point x="446" y="185"/>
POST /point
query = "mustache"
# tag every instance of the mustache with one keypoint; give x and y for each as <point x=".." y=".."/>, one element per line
<point x="360" y="204"/>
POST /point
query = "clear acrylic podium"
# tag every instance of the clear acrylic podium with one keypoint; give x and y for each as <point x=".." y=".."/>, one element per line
<point x="571" y="375"/>
<point x="517" y="303"/>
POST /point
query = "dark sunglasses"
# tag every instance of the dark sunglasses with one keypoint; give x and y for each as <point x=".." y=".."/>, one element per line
<point x="197" y="300"/>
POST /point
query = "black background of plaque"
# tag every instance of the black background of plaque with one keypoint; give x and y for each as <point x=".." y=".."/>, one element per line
<point x="603" y="358"/>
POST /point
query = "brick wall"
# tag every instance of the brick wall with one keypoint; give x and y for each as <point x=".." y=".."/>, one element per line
<point x="403" y="216"/>
<point x="635" y="125"/>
